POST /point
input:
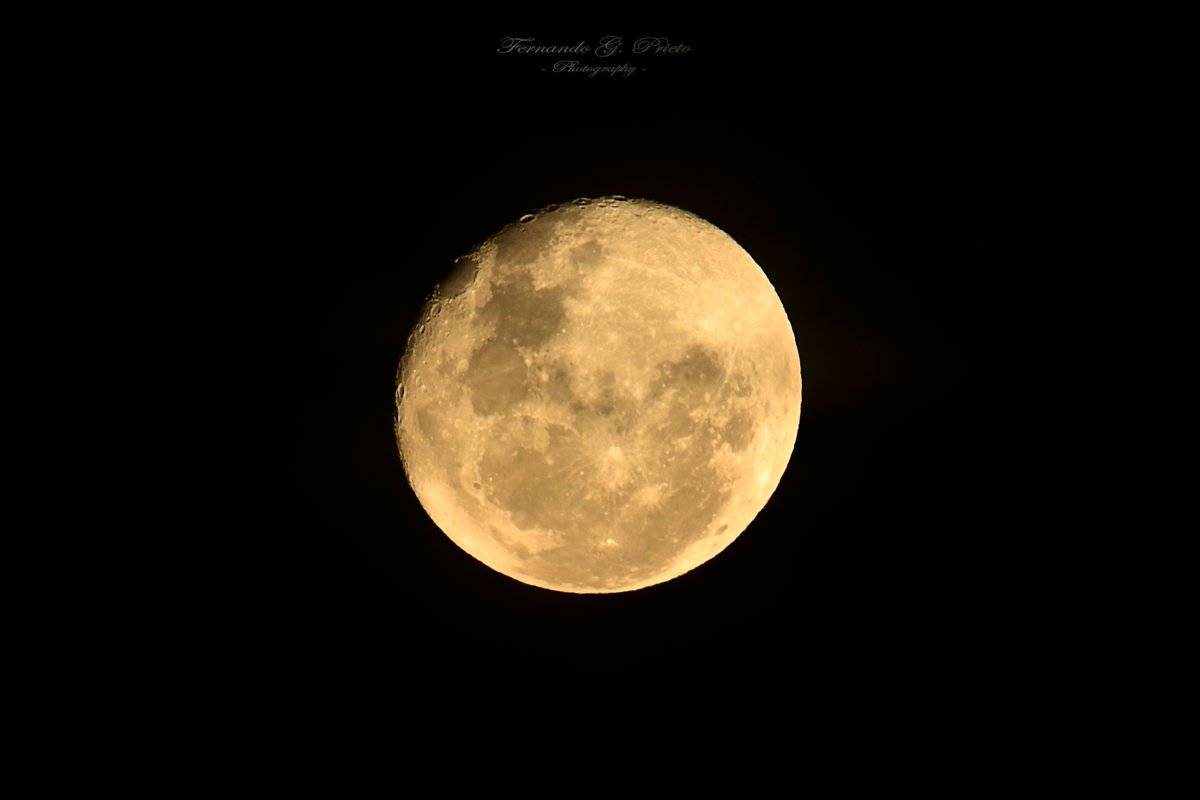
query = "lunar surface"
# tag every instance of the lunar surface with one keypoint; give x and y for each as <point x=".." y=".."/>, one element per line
<point x="600" y="397"/>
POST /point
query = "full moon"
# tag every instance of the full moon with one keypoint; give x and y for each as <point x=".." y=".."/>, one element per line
<point x="599" y="398"/>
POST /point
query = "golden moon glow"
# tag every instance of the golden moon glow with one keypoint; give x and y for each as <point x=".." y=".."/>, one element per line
<point x="600" y="397"/>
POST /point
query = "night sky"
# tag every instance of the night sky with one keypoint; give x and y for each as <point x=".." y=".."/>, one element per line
<point x="884" y="622"/>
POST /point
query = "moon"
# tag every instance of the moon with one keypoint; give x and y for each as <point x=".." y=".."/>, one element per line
<point x="599" y="398"/>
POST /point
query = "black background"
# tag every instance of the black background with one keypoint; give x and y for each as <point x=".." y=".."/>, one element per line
<point x="888" y="619"/>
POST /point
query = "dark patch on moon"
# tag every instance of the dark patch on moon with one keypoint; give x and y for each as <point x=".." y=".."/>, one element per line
<point x="432" y="426"/>
<point x="587" y="255"/>
<point x="497" y="378"/>
<point x="739" y="430"/>
<point x="693" y="378"/>
<point x="523" y="315"/>
<point x="556" y="389"/>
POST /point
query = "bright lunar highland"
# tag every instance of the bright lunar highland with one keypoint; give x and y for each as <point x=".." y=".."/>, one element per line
<point x="600" y="397"/>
